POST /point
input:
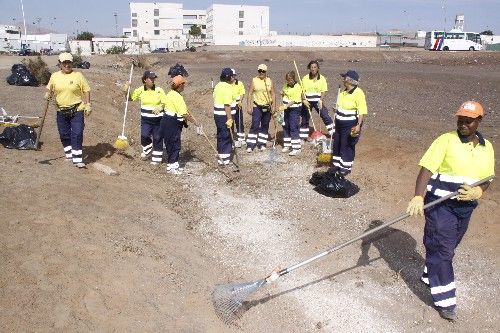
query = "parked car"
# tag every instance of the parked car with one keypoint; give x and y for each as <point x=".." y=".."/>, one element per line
<point x="160" y="50"/>
<point x="25" y="52"/>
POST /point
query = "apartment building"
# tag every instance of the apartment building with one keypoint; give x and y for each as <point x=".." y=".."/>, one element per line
<point x="168" y="24"/>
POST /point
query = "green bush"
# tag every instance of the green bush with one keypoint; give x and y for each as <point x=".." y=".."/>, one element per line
<point x="116" y="50"/>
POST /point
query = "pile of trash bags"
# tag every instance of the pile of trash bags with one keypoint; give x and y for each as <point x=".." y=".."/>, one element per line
<point x="83" y="65"/>
<point x="21" y="76"/>
<point x="333" y="184"/>
<point x="18" y="137"/>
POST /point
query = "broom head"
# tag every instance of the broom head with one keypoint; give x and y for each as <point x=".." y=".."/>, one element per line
<point x="121" y="143"/>
<point x="325" y="157"/>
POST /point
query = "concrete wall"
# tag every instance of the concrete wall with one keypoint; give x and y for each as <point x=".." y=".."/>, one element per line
<point x="225" y="20"/>
<point x="299" y="41"/>
<point x="85" y="47"/>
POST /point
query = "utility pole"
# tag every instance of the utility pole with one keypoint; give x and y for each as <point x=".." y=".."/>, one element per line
<point x="115" y="14"/>
<point x="25" y="34"/>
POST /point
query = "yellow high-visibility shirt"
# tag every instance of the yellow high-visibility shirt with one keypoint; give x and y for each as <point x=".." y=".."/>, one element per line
<point x="453" y="161"/>
<point x="174" y="102"/>
<point x="68" y="88"/>
<point x="239" y="90"/>
<point x="353" y="101"/>
<point x="262" y="91"/>
<point x="149" y="98"/>
<point x="223" y="95"/>
<point x="292" y="94"/>
<point x="314" y="87"/>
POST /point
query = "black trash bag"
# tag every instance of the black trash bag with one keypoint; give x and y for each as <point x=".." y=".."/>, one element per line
<point x="83" y="65"/>
<point x="177" y="69"/>
<point x="21" y="76"/>
<point x="18" y="137"/>
<point x="333" y="185"/>
<point x="317" y="177"/>
<point x="18" y="68"/>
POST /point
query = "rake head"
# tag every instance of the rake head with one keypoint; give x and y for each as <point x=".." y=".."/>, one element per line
<point x="229" y="299"/>
<point x="273" y="155"/>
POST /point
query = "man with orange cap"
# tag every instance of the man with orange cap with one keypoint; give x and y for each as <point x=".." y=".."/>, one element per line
<point x="454" y="161"/>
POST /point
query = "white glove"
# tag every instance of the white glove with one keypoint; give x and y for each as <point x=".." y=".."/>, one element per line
<point x="199" y="130"/>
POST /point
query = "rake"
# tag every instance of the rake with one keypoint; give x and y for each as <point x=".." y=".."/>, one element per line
<point x="230" y="300"/>
<point x="273" y="155"/>
<point x="327" y="150"/>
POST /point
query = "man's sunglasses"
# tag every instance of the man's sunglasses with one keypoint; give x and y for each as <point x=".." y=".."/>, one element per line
<point x="261" y="71"/>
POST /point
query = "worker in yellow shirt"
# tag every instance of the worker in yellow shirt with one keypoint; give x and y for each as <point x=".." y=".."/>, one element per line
<point x="151" y="113"/>
<point x="239" y="94"/>
<point x="72" y="97"/>
<point x="261" y="103"/>
<point x="223" y="115"/>
<point x="454" y="161"/>
<point x="315" y="87"/>
<point x="292" y="104"/>
<point x="174" y="119"/>
<point x="349" y="117"/>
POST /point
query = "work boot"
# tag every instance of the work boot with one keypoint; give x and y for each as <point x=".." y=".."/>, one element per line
<point x="285" y="150"/>
<point x="448" y="314"/>
<point x="262" y="148"/>
<point x="144" y="156"/>
<point x="237" y="144"/>
<point x="249" y="150"/>
<point x="294" y="152"/>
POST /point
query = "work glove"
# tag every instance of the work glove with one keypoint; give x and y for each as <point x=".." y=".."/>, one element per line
<point x="87" y="110"/>
<point x="125" y="87"/>
<point x="229" y="123"/>
<point x="320" y="104"/>
<point x="282" y="108"/>
<point x="468" y="193"/>
<point x="306" y="103"/>
<point x="47" y="95"/>
<point x="157" y="109"/>
<point x="416" y="206"/>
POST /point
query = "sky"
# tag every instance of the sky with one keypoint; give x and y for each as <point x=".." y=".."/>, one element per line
<point x="286" y="16"/>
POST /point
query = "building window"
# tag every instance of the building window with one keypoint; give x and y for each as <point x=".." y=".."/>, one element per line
<point x="189" y="17"/>
<point x="242" y="13"/>
<point x="134" y="14"/>
<point x="241" y="24"/>
<point x="134" y="23"/>
<point x="156" y="12"/>
<point x="157" y="32"/>
<point x="241" y="33"/>
<point x="157" y="23"/>
<point x="134" y="33"/>
<point x="203" y="26"/>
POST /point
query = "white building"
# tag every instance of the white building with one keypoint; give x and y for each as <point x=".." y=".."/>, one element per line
<point x="229" y="23"/>
<point x="56" y="42"/>
<point x="10" y="38"/>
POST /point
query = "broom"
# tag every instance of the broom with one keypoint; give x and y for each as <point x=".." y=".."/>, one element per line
<point x="122" y="142"/>
<point x="326" y="155"/>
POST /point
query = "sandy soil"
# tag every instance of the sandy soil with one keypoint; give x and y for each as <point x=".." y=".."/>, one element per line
<point x="142" y="251"/>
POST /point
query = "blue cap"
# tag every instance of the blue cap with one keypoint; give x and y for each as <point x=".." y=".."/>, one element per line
<point x="226" y="72"/>
<point x="351" y="74"/>
<point x="149" y="74"/>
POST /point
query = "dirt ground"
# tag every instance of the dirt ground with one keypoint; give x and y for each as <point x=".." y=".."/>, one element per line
<point x="143" y="250"/>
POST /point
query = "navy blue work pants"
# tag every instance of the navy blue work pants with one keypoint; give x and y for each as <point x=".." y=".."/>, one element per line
<point x="171" y="130"/>
<point x="71" y="134"/>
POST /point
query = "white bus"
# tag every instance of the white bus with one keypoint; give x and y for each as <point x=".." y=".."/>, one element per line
<point x="452" y="41"/>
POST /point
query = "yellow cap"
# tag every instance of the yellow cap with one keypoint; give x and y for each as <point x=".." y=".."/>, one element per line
<point x="65" y="56"/>
<point x="262" y="67"/>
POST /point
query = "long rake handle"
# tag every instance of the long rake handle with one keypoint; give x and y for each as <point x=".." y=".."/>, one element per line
<point x="39" y="134"/>
<point x="206" y="138"/>
<point x="127" y="98"/>
<point x="302" y="86"/>
<point x="385" y="225"/>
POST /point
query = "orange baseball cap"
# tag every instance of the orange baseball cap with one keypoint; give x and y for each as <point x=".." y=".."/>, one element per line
<point x="178" y="80"/>
<point x="470" y="109"/>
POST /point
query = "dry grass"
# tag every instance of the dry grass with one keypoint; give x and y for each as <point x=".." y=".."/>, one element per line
<point x="38" y="68"/>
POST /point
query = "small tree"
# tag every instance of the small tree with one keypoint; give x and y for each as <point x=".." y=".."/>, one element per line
<point x="85" y="35"/>
<point x="116" y="50"/>
<point x="195" y="30"/>
<point x="487" y="33"/>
